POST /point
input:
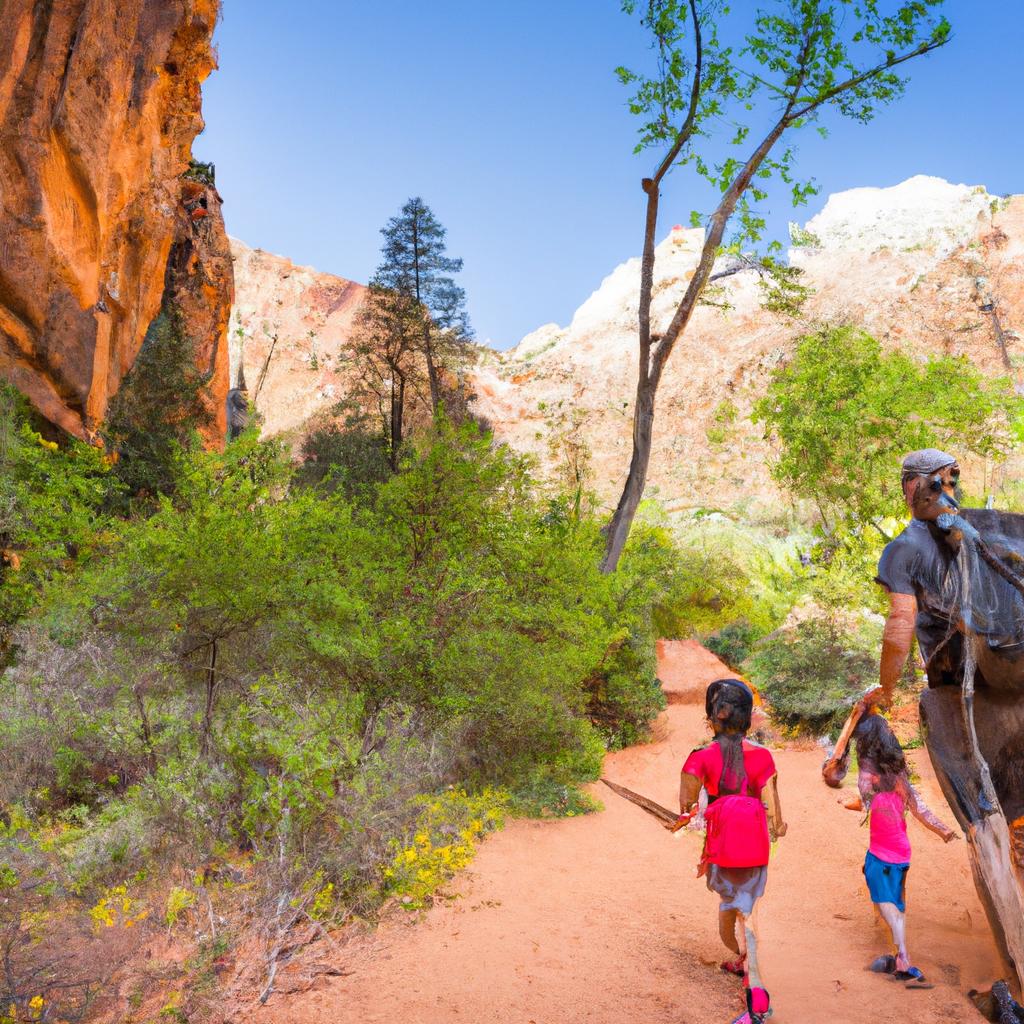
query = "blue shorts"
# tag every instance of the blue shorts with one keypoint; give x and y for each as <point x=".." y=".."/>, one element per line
<point x="887" y="882"/>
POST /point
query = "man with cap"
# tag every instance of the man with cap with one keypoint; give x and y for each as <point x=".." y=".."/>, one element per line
<point x="912" y="569"/>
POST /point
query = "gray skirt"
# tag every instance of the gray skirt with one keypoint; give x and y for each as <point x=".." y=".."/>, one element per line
<point x="738" y="888"/>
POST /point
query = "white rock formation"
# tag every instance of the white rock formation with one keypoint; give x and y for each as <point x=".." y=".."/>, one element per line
<point x="904" y="262"/>
<point x="288" y="325"/>
<point x="925" y="265"/>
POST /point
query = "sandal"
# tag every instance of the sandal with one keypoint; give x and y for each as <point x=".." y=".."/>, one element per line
<point x="912" y="977"/>
<point x="737" y="967"/>
<point x="883" y="964"/>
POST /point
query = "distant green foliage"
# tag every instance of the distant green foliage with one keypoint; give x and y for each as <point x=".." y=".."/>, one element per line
<point x="802" y="238"/>
<point x="733" y="643"/>
<point x="159" y="410"/>
<point x="352" y="457"/>
<point x="202" y="172"/>
<point x="843" y="413"/>
<point x="725" y="573"/>
<point x="51" y="500"/>
<point x="811" y="673"/>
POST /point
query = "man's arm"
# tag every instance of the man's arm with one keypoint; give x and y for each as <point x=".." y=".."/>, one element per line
<point x="897" y="639"/>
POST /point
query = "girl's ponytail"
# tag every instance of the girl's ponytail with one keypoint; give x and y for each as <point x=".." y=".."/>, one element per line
<point x="729" y="704"/>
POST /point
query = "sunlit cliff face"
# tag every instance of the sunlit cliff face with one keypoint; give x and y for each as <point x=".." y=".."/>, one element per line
<point x="931" y="494"/>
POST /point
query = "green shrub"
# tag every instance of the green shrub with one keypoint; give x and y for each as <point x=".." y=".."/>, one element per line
<point x="446" y="832"/>
<point x="626" y="694"/>
<point x="284" y="674"/>
<point x="844" y="412"/>
<point x="350" y="457"/>
<point x="159" y="410"/>
<point x="725" y="572"/>
<point x="811" y="673"/>
<point x="733" y="643"/>
<point x="51" y="501"/>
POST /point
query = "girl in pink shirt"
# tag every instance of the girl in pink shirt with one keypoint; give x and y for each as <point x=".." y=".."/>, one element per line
<point x="887" y="795"/>
<point x="735" y="773"/>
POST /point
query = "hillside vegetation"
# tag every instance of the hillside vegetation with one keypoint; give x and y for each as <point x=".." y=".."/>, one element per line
<point x="292" y="703"/>
<point x="247" y="695"/>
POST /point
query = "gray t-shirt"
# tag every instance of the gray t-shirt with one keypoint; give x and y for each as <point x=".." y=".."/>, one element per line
<point x="918" y="563"/>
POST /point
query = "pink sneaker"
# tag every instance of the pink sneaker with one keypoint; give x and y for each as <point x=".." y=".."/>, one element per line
<point x="758" y="1007"/>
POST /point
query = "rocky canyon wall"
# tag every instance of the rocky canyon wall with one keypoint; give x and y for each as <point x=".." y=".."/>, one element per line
<point x="288" y="327"/>
<point x="99" y="104"/>
<point x="926" y="265"/>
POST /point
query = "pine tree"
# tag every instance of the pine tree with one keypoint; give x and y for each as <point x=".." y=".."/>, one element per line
<point x="415" y="266"/>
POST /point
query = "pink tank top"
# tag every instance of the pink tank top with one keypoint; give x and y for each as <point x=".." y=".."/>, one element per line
<point x="889" y="839"/>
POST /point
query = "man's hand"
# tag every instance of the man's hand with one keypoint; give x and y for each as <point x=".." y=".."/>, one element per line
<point x="778" y="831"/>
<point x="875" y="696"/>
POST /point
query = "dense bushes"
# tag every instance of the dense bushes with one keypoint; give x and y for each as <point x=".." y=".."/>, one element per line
<point x="160" y="409"/>
<point x="813" y="671"/>
<point x="844" y="412"/>
<point x="51" y="509"/>
<point x="302" y="679"/>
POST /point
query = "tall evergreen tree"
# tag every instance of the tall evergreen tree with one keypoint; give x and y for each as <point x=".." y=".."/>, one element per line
<point x="416" y="266"/>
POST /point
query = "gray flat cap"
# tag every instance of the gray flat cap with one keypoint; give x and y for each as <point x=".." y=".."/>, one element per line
<point x="925" y="461"/>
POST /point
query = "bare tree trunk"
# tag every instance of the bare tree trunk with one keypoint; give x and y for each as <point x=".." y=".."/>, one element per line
<point x="397" y="412"/>
<point x="144" y="727"/>
<point x="211" y="686"/>
<point x="432" y="375"/>
<point x="633" y="491"/>
<point x="654" y="351"/>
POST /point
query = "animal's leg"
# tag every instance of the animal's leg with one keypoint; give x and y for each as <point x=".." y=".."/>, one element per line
<point x="999" y="718"/>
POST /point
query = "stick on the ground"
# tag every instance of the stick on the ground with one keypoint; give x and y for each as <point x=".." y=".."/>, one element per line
<point x="663" y="814"/>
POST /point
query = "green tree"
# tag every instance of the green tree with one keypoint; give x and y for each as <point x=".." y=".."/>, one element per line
<point x="51" y="510"/>
<point x="798" y="59"/>
<point x="160" y="408"/>
<point x="383" y="354"/>
<point x="843" y="413"/>
<point x="416" y="266"/>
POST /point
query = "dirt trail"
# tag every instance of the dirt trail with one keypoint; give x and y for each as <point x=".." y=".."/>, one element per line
<point x="600" y="919"/>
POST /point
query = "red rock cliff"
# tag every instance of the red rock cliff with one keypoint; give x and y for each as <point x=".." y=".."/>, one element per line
<point x="99" y="104"/>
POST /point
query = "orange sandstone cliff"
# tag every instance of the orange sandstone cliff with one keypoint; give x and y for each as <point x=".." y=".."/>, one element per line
<point x="99" y="104"/>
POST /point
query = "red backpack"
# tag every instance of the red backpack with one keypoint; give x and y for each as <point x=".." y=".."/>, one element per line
<point x="737" y="832"/>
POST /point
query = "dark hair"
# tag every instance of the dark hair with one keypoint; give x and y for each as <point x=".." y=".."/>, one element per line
<point x="877" y="745"/>
<point x="729" y="704"/>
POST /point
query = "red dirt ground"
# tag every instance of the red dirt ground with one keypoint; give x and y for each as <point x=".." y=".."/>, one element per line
<point x="600" y="919"/>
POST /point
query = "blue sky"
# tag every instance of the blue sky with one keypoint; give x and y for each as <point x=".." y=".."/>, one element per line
<point x="326" y="115"/>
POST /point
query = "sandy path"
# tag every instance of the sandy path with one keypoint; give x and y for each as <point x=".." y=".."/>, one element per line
<point x="600" y="919"/>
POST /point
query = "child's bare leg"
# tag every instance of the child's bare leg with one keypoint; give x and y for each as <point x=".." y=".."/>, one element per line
<point x="727" y="929"/>
<point x="746" y="937"/>
<point x="897" y="922"/>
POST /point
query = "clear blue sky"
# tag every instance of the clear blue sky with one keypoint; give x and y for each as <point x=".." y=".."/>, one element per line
<point x="326" y="115"/>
